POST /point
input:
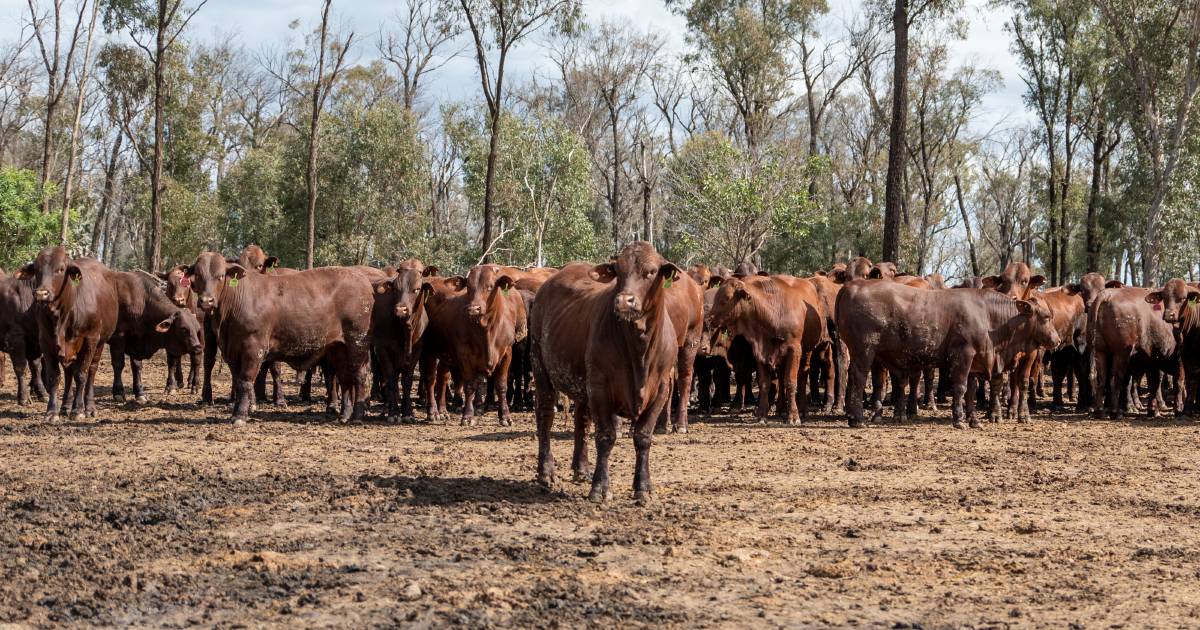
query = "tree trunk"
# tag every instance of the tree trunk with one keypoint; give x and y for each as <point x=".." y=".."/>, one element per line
<point x="310" y="171"/>
<point x="615" y="198"/>
<point x="1093" y="209"/>
<point x="83" y="81"/>
<point x="110" y="182"/>
<point x="962" y="210"/>
<point x="896" y="149"/>
<point x="154" y="256"/>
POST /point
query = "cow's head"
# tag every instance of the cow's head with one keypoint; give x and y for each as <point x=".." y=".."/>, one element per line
<point x="1015" y="281"/>
<point x="254" y="258"/>
<point x="1173" y="298"/>
<point x="700" y="273"/>
<point x="1090" y="286"/>
<point x="206" y="278"/>
<point x="178" y="286"/>
<point x="485" y="285"/>
<point x="183" y="330"/>
<point x="858" y="268"/>
<point x="406" y="291"/>
<point x="745" y="269"/>
<point x="727" y="303"/>
<point x="47" y="273"/>
<point x="1041" y="327"/>
<point x="639" y="272"/>
<point x="884" y="270"/>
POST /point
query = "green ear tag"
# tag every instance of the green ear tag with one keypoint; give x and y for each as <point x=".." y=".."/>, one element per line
<point x="75" y="281"/>
<point x="505" y="292"/>
<point x="1194" y="299"/>
<point x="724" y="334"/>
<point x="667" y="282"/>
<point x="233" y="282"/>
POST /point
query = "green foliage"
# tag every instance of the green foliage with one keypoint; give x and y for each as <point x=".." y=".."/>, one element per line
<point x="542" y="191"/>
<point x="726" y="204"/>
<point x="24" y="230"/>
<point x="250" y="196"/>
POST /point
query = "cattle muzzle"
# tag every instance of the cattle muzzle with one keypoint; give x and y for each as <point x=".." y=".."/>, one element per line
<point x="207" y="302"/>
<point x="403" y="311"/>
<point x="180" y="301"/>
<point x="628" y="307"/>
<point x="41" y="295"/>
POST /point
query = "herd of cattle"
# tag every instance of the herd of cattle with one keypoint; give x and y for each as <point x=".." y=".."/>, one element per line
<point x="635" y="337"/>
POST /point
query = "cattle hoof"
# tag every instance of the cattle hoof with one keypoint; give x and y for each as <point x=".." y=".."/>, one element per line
<point x="641" y="497"/>
<point x="580" y="476"/>
<point x="975" y="424"/>
<point x="143" y="399"/>
<point x="237" y="422"/>
<point x="957" y="424"/>
<point x="599" y="495"/>
<point x="119" y="397"/>
<point x="391" y="419"/>
<point x="857" y="424"/>
<point x="78" y="416"/>
<point x="681" y="429"/>
<point x="408" y="419"/>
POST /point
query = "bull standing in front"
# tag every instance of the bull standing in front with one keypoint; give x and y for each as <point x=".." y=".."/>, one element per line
<point x="603" y="336"/>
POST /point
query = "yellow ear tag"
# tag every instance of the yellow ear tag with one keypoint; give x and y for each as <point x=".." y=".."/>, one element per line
<point x="725" y="334"/>
<point x="75" y="281"/>
<point x="505" y="292"/>
<point x="667" y="282"/>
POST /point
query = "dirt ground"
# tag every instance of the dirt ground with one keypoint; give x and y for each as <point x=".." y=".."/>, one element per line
<point x="165" y="515"/>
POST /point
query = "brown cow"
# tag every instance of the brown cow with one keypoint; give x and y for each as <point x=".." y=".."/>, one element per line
<point x="147" y="321"/>
<point x="1068" y="360"/>
<point x="964" y="331"/>
<point x="19" y="336"/>
<point x="603" y="335"/>
<point x="783" y="318"/>
<point x="254" y="258"/>
<point x="1178" y="302"/>
<point x="178" y="290"/>
<point x="398" y="324"/>
<point x="1124" y="328"/>
<point x="299" y="319"/>
<point x="471" y="334"/>
<point x="835" y="358"/>
<point x="1016" y="281"/>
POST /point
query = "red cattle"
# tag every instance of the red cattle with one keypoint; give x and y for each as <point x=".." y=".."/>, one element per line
<point x="1126" y="330"/>
<point x="603" y="335"/>
<point x="1178" y="303"/>
<point x="298" y="318"/>
<point x="19" y="336"/>
<point x="398" y="324"/>
<point x="147" y="321"/>
<point x="1016" y="281"/>
<point x="963" y="331"/>
<point x="471" y="334"/>
<point x="783" y="319"/>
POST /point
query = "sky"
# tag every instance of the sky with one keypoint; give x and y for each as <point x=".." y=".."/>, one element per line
<point x="259" y="24"/>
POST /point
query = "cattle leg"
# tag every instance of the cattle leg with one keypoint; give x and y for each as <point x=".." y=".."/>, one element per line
<point x="842" y="357"/>
<point x="406" y="398"/>
<point x="958" y="376"/>
<point x="1120" y="381"/>
<point x="1100" y="379"/>
<point x="545" y="399"/>
<point x="277" y="397"/>
<point x="470" y="389"/>
<point x="928" y="399"/>
<point x="643" y="436"/>
<point x="78" y="376"/>
<point x="704" y="385"/>
<point x="683" y="383"/>
<point x="178" y="372"/>
<point x="139" y="392"/>
<point x="210" y="360"/>
<point x="856" y="382"/>
<point x="765" y="377"/>
<point x="914" y="386"/>
<point x="830" y="367"/>
<point x="501" y="377"/>
<point x="19" y="365"/>
<point x="384" y="372"/>
<point x="117" y="354"/>
<point x="899" y="402"/>
<point x="243" y="374"/>
<point x="791" y="375"/>
<point x="606" y="436"/>
<point x="35" y="378"/>
<point x="996" y="385"/>
<point x="51" y="373"/>
<point x="579" y="458"/>
<point x="172" y="384"/>
<point x="91" y="384"/>
<point x="1154" y="380"/>
<point x="970" y="400"/>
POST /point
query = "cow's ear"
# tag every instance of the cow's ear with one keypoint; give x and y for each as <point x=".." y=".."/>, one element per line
<point x="1072" y="289"/>
<point x="875" y="273"/>
<point x="382" y="286"/>
<point x="603" y="273"/>
<point x="271" y="262"/>
<point x="670" y="271"/>
<point x="840" y="276"/>
<point x="1154" y="297"/>
<point x="429" y="270"/>
<point x="235" y="271"/>
<point x="714" y="281"/>
<point x="25" y="273"/>
<point x="1193" y="294"/>
<point x="820" y="272"/>
<point x="763" y="274"/>
<point x="1037" y="281"/>
<point x="901" y="274"/>
<point x="1024" y="307"/>
<point x="505" y="283"/>
<point x="457" y="283"/>
<point x="1114" y="284"/>
<point x="230" y="260"/>
<point x="990" y="282"/>
<point x="74" y="274"/>
<point x="165" y="325"/>
<point x="162" y="275"/>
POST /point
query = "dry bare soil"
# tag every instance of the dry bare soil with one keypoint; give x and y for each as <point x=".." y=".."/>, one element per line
<point x="165" y="515"/>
